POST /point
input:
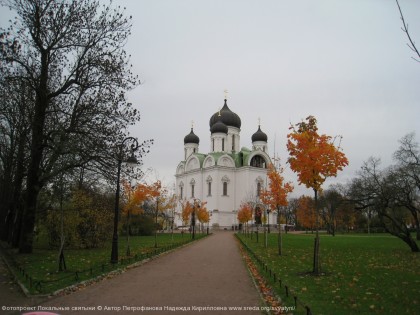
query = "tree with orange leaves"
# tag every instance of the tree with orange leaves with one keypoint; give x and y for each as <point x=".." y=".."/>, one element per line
<point x="163" y="201"/>
<point x="187" y="209"/>
<point x="191" y="210"/>
<point x="203" y="215"/>
<point x="305" y="213"/>
<point x="275" y="197"/>
<point x="245" y="214"/>
<point x="133" y="197"/>
<point x="314" y="158"/>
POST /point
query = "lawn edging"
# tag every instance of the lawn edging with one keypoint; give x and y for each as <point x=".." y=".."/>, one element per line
<point x="273" y="279"/>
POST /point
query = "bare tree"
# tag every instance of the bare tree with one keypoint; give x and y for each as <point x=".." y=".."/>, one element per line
<point x="71" y="55"/>
<point x="390" y="197"/>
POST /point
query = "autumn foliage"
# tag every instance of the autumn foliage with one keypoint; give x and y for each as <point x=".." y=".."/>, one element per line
<point x="276" y="194"/>
<point x="245" y="213"/>
<point x="133" y="197"/>
<point x="200" y="208"/>
<point x="313" y="157"/>
<point x="305" y="214"/>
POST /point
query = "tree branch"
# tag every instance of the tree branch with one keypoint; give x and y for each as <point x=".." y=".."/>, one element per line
<point x="405" y="30"/>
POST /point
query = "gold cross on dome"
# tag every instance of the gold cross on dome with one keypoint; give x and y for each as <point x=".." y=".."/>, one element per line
<point x="192" y="124"/>
<point x="226" y="94"/>
<point x="259" y="121"/>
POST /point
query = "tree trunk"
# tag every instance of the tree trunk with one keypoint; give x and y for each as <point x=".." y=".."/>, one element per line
<point x="128" y="251"/>
<point x="61" y="260"/>
<point x="417" y="221"/>
<point x="317" y="263"/>
<point x="412" y="243"/>
<point x="34" y="185"/>
<point x="280" y="240"/>
<point x="15" y="223"/>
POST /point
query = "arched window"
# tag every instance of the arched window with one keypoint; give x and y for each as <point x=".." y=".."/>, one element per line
<point x="225" y="181"/>
<point x="258" y="161"/>
<point x="223" y="144"/>
<point x="258" y="189"/>
<point x="192" y="182"/>
<point x="233" y="142"/>
<point x="181" y="190"/>
<point x="209" y="181"/>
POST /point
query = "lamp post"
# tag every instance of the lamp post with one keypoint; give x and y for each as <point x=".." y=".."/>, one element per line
<point x="132" y="161"/>
<point x="193" y="220"/>
<point x="195" y="202"/>
<point x="208" y="223"/>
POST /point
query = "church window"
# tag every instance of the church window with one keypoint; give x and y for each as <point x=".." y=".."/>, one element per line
<point x="225" y="184"/>
<point x="233" y="142"/>
<point x="192" y="190"/>
<point x="195" y="150"/>
<point x="185" y="154"/>
<point x="209" y="188"/>
<point x="258" y="161"/>
<point x="223" y="144"/>
<point x="181" y="192"/>
<point x="213" y="144"/>
<point x="258" y="189"/>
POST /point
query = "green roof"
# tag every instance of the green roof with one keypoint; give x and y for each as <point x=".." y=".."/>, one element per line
<point x="240" y="158"/>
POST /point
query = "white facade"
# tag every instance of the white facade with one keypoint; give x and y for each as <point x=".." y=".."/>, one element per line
<point x="226" y="176"/>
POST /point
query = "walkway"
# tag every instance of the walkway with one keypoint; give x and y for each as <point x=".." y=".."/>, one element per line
<point x="207" y="274"/>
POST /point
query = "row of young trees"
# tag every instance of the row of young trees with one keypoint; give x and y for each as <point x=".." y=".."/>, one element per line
<point x="390" y="196"/>
<point x="314" y="157"/>
<point x="63" y="110"/>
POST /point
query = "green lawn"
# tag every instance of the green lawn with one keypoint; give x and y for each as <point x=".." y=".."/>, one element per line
<point x="39" y="271"/>
<point x="364" y="274"/>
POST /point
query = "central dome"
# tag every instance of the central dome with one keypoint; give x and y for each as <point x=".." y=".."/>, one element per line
<point x="227" y="117"/>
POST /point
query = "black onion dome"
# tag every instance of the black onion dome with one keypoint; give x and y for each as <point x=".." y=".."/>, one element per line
<point x="228" y="117"/>
<point x="259" y="136"/>
<point x="191" y="138"/>
<point x="219" y="127"/>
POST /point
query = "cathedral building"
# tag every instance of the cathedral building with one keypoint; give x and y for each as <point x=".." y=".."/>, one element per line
<point x="227" y="175"/>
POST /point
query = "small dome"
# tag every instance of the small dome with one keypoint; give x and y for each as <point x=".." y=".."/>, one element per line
<point x="259" y="136"/>
<point x="191" y="138"/>
<point x="219" y="126"/>
<point x="228" y="117"/>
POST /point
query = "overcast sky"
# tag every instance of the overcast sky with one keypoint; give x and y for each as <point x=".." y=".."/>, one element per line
<point x="345" y="62"/>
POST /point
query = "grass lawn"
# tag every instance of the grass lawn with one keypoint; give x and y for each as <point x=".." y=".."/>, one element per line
<point x="364" y="274"/>
<point x="39" y="271"/>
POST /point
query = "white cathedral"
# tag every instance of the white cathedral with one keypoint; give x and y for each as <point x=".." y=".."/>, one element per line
<point x="226" y="176"/>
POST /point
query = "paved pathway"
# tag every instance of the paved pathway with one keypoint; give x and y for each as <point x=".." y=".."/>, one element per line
<point x="208" y="274"/>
